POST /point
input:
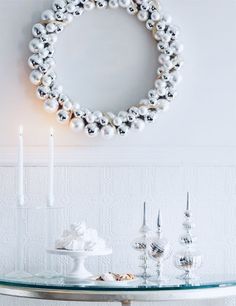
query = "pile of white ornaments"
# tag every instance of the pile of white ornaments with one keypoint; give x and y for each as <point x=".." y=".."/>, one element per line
<point x="80" y="238"/>
<point x="79" y="118"/>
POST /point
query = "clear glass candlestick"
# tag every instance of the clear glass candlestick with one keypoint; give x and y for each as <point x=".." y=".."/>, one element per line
<point x="140" y="244"/>
<point x="188" y="259"/>
<point x="159" y="250"/>
<point x="51" y="217"/>
<point x="19" y="271"/>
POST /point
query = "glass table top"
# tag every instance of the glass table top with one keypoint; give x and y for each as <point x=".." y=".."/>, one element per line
<point x="210" y="281"/>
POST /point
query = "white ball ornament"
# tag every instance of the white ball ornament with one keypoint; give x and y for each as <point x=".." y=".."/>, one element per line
<point x="67" y="106"/>
<point x="163" y="105"/>
<point x="117" y="121"/>
<point x="123" y="115"/>
<point x="42" y="63"/>
<point x="51" y="105"/>
<point x="63" y="116"/>
<point x="48" y="16"/>
<point x="51" y="27"/>
<point x="161" y="91"/>
<point x="160" y="84"/>
<point x="89" y="5"/>
<point x="142" y="16"/>
<point x="98" y="114"/>
<point x="143" y="110"/>
<point x="124" y="3"/>
<point x="77" y="124"/>
<point x="155" y="16"/>
<point x="47" y="80"/>
<point x="90" y="118"/>
<point x="36" y="77"/>
<point x="44" y="53"/>
<point x="68" y="18"/>
<point x="113" y="4"/>
<point x="71" y="8"/>
<point x="138" y="125"/>
<point x="108" y="131"/>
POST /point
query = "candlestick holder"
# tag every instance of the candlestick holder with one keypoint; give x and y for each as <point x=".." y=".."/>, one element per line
<point x="140" y="244"/>
<point x="51" y="218"/>
<point x="19" y="271"/>
<point x="159" y="250"/>
<point x="188" y="259"/>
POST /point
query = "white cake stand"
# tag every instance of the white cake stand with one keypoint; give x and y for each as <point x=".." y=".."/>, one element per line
<point x="79" y="271"/>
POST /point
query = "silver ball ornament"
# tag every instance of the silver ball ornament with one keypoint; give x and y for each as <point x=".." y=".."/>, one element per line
<point x="38" y="30"/>
<point x="92" y="129"/>
<point x="42" y="92"/>
<point x="35" y="61"/>
<point x="36" y="77"/>
<point x="103" y="121"/>
<point x="59" y="5"/>
<point x="123" y="130"/>
<point x="36" y="45"/>
<point x="63" y="116"/>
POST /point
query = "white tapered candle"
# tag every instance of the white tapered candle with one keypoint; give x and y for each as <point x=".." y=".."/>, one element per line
<point x="21" y="168"/>
<point x="51" y="169"/>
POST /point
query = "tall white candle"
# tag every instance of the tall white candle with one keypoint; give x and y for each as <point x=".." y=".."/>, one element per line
<point x="21" y="168"/>
<point x="51" y="169"/>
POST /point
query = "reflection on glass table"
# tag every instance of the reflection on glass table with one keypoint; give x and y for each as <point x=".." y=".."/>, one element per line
<point x="208" y="287"/>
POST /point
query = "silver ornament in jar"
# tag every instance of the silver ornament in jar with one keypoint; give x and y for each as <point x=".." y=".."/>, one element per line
<point x="140" y="244"/>
<point x="159" y="250"/>
<point x="188" y="259"/>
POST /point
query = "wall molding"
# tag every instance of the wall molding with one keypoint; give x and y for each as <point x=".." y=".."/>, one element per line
<point x="125" y="156"/>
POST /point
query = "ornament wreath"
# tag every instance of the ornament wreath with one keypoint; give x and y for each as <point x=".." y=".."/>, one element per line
<point x="79" y="118"/>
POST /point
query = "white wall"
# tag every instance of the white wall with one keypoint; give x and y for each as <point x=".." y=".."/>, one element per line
<point x="192" y="147"/>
